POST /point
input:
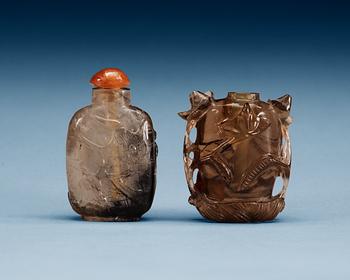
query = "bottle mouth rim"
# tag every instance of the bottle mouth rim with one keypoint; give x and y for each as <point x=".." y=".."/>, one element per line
<point x="112" y="89"/>
<point x="244" y="95"/>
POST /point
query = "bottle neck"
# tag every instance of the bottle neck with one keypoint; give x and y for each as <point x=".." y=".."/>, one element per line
<point x="244" y="96"/>
<point x="115" y="97"/>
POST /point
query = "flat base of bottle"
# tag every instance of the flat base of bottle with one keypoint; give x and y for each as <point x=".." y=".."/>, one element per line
<point x="110" y="219"/>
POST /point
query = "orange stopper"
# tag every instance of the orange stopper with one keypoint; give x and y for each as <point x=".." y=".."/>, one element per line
<point x="110" y="78"/>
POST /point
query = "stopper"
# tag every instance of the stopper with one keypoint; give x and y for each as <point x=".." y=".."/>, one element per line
<point x="110" y="78"/>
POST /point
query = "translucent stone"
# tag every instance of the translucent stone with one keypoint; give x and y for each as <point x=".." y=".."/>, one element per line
<point x="111" y="158"/>
<point x="242" y="146"/>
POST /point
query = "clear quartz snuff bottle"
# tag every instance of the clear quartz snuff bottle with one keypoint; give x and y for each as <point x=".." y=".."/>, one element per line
<point x="241" y="147"/>
<point x="111" y="154"/>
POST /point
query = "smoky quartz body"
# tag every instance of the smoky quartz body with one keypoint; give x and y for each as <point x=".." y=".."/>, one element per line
<point x="241" y="146"/>
<point x="111" y="158"/>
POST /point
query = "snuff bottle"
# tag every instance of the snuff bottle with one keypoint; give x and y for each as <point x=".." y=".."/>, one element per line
<point x="111" y="154"/>
<point x="241" y="147"/>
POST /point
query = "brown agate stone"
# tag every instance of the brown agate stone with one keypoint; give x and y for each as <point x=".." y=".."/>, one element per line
<point x="242" y="146"/>
<point x="111" y="154"/>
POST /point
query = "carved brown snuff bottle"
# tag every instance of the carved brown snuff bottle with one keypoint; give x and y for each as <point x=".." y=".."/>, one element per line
<point x="111" y="154"/>
<point x="242" y="145"/>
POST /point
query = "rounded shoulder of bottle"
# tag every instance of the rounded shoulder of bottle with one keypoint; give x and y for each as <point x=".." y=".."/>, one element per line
<point x="145" y="116"/>
<point x="79" y="115"/>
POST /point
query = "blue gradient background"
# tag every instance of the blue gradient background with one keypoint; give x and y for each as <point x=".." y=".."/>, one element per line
<point x="48" y="52"/>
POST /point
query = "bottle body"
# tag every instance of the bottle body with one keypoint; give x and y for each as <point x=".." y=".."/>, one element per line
<point x="242" y="146"/>
<point x="111" y="159"/>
